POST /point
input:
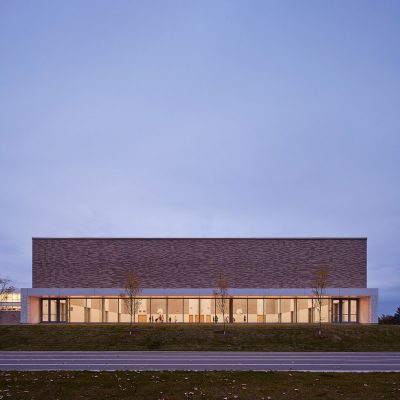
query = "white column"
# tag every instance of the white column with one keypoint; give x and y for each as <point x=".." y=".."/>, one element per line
<point x="24" y="306"/>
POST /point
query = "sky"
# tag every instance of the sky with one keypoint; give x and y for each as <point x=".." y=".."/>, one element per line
<point x="201" y="119"/>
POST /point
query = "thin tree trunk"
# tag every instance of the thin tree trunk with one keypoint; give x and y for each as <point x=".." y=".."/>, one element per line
<point x="320" y="316"/>
<point x="130" y="331"/>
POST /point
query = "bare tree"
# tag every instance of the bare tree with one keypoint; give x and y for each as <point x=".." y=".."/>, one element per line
<point x="131" y="293"/>
<point x="6" y="288"/>
<point x="221" y="296"/>
<point x="319" y="285"/>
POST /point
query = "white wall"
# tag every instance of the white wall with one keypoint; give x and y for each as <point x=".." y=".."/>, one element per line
<point x="34" y="310"/>
<point x="30" y="311"/>
<point x="369" y="309"/>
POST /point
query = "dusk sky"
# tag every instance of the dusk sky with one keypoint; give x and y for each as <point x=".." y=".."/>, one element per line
<point x="201" y="119"/>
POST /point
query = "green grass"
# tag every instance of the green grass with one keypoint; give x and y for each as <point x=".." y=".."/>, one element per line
<point x="198" y="385"/>
<point x="200" y="337"/>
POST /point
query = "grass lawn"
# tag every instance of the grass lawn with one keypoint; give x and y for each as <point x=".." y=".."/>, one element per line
<point x="200" y="337"/>
<point x="198" y="385"/>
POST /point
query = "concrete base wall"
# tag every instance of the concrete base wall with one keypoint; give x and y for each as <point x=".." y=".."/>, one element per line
<point x="10" y="317"/>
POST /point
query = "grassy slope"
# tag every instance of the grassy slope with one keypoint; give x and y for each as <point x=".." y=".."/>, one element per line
<point x="200" y="337"/>
<point x="192" y="385"/>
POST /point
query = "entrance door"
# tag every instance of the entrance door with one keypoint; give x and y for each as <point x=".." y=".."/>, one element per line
<point x="54" y="310"/>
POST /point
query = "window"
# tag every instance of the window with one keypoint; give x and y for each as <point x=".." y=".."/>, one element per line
<point x="54" y="310"/>
<point x="344" y="310"/>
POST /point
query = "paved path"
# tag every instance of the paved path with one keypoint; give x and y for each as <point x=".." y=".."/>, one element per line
<point x="199" y="361"/>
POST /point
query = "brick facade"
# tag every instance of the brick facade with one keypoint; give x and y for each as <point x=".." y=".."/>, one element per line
<point x="10" y="317"/>
<point x="196" y="263"/>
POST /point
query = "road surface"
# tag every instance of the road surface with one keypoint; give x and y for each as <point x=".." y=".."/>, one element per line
<point x="197" y="361"/>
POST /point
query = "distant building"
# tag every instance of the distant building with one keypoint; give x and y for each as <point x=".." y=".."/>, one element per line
<point x="80" y="280"/>
<point x="10" y="307"/>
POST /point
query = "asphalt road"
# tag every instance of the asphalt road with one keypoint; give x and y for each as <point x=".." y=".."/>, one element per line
<point x="197" y="361"/>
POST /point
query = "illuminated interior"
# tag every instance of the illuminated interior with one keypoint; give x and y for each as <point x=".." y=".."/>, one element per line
<point x="10" y="302"/>
<point x="200" y="310"/>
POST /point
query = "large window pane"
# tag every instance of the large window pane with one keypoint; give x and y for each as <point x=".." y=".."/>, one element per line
<point x="194" y="310"/>
<point x="206" y="310"/>
<point x="124" y="314"/>
<point x="252" y="310"/>
<point x="325" y="312"/>
<point x="222" y="305"/>
<point x="63" y="310"/>
<point x="45" y="310"/>
<point x="175" y="310"/>
<point x="53" y="311"/>
<point x="239" y="310"/>
<point x="143" y="311"/>
<point x="345" y="310"/>
<point x="139" y="314"/>
<point x="110" y="311"/>
<point x="94" y="310"/>
<point x="159" y="310"/>
<point x="353" y="310"/>
<point x="213" y="310"/>
<point x="287" y="310"/>
<point x="335" y="310"/>
<point x="77" y="310"/>
<point x="271" y="307"/>
<point x="186" y="310"/>
<point x="303" y="310"/>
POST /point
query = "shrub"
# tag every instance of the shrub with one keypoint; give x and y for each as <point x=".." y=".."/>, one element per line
<point x="390" y="319"/>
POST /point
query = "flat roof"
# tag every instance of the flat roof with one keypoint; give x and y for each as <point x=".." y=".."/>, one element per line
<point x="200" y="238"/>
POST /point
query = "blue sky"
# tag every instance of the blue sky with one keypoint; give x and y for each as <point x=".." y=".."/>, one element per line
<point x="211" y="118"/>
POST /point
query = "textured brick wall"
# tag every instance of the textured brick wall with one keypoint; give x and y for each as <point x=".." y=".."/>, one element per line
<point x="184" y="263"/>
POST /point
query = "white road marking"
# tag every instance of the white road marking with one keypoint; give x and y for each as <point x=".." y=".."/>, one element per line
<point x="180" y="364"/>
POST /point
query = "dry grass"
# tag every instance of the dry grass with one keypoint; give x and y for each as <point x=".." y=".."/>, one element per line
<point x="200" y="337"/>
<point x="198" y="385"/>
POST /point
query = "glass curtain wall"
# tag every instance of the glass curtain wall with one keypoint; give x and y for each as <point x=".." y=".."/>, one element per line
<point x="200" y="310"/>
